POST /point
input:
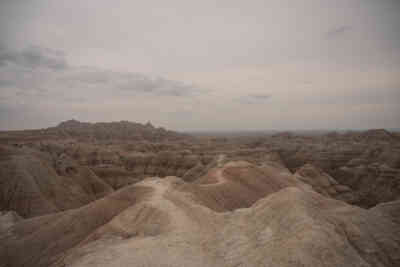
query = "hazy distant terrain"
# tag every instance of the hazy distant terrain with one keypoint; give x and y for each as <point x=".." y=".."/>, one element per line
<point x="117" y="194"/>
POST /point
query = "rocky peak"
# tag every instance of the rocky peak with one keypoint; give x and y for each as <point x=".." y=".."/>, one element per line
<point x="122" y="130"/>
<point x="149" y="125"/>
<point x="69" y="124"/>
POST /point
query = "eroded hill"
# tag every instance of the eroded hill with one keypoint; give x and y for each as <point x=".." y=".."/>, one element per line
<point x="123" y="194"/>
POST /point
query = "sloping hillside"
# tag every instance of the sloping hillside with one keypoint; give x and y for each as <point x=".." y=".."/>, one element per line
<point x="167" y="222"/>
<point x="34" y="183"/>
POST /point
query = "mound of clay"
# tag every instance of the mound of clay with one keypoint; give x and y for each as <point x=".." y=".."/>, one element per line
<point x="238" y="184"/>
<point x="156" y="223"/>
<point x="324" y="184"/>
<point x="39" y="240"/>
<point x="236" y="203"/>
<point x="373" y="184"/>
<point x="34" y="183"/>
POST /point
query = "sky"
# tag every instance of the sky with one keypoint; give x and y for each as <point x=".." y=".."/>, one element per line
<point x="201" y="65"/>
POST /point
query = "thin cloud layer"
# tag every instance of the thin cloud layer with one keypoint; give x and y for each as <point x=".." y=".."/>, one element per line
<point x="337" y="31"/>
<point x="188" y="65"/>
<point x="42" y="72"/>
<point x="33" y="57"/>
<point x="255" y="98"/>
<point x="38" y="81"/>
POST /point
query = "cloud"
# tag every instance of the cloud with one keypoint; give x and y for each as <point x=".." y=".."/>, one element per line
<point x="348" y="50"/>
<point x="337" y="31"/>
<point x="75" y="99"/>
<point x="38" y="76"/>
<point x="254" y="98"/>
<point x="33" y="57"/>
<point x="6" y="83"/>
<point x="357" y="97"/>
<point x="157" y="86"/>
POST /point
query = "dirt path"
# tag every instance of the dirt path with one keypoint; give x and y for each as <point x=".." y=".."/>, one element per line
<point x="180" y="241"/>
<point x="218" y="174"/>
<point x="221" y="166"/>
<point x="178" y="219"/>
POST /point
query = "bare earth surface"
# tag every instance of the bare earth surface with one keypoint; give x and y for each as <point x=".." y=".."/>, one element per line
<point x="315" y="230"/>
<point x="173" y="238"/>
<point x="127" y="194"/>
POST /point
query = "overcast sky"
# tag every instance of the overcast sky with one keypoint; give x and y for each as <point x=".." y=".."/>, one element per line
<point x="201" y="65"/>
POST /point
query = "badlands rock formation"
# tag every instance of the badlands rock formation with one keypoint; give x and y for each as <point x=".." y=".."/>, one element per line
<point x="122" y="130"/>
<point x="324" y="184"/>
<point x="32" y="183"/>
<point x="157" y="223"/>
<point x="127" y="194"/>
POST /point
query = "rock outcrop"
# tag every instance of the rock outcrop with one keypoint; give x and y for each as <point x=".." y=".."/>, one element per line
<point x="292" y="226"/>
<point x="373" y="184"/>
<point x="324" y="184"/>
<point x="83" y="194"/>
<point x="33" y="183"/>
<point x="123" y="130"/>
